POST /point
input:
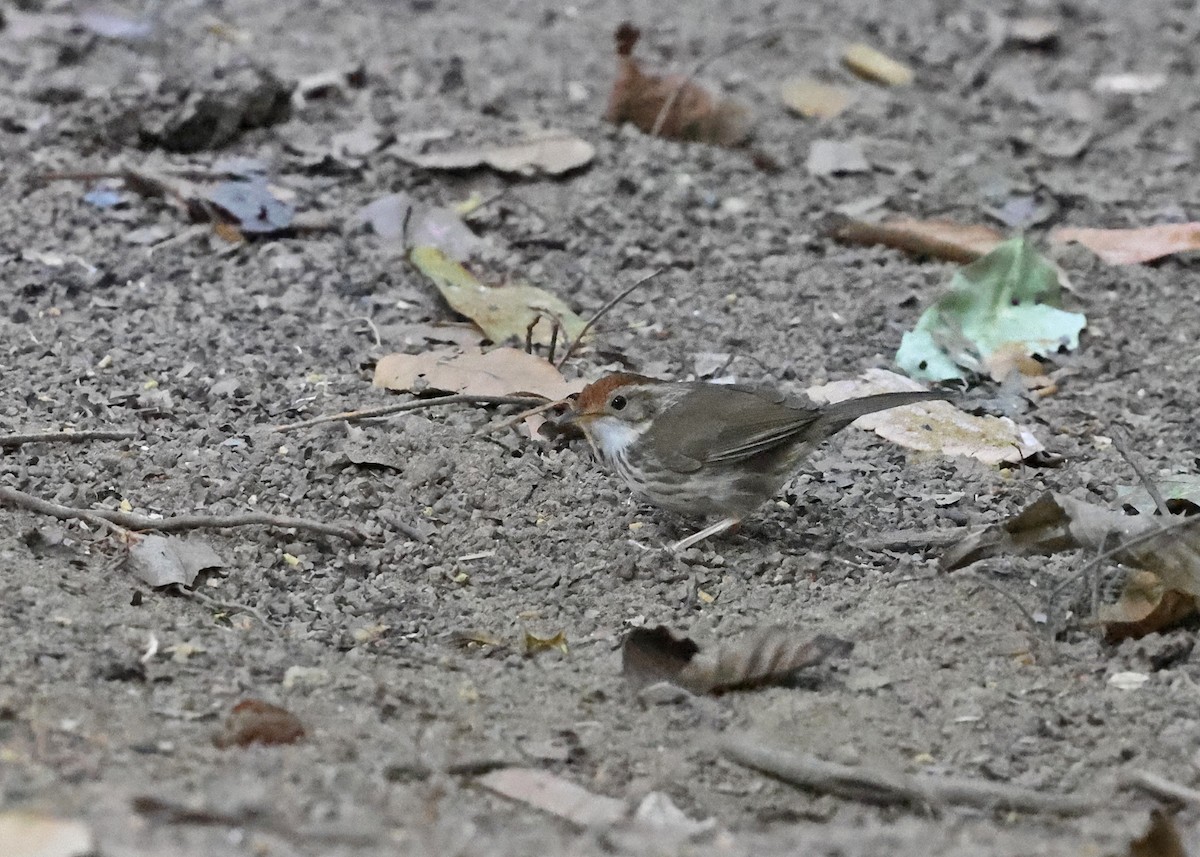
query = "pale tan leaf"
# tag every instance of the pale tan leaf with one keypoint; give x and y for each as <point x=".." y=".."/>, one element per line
<point x="25" y="833"/>
<point x="1132" y="246"/>
<point x="871" y="64"/>
<point x="555" y="795"/>
<point x="813" y="99"/>
<point x="932" y="426"/>
<point x="499" y="372"/>
<point x="547" y="152"/>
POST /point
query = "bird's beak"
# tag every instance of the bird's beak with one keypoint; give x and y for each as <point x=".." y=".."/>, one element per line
<point x="573" y="418"/>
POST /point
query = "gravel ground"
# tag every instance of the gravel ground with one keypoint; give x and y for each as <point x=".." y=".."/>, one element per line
<point x="200" y="347"/>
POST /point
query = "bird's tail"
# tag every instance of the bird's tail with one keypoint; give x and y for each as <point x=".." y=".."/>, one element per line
<point x="838" y="415"/>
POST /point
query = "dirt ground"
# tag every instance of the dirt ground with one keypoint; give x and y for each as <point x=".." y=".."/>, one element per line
<point x="201" y="346"/>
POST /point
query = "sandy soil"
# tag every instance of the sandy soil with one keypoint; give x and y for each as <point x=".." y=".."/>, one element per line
<point x="200" y="347"/>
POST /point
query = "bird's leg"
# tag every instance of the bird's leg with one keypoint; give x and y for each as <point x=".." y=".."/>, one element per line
<point x="721" y="526"/>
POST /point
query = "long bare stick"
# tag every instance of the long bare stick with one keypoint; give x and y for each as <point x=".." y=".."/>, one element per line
<point x="177" y="523"/>
<point x="63" y="437"/>
<point x="1121" y="444"/>
<point x="1160" y="787"/>
<point x="886" y="787"/>
<point x="602" y="311"/>
<point x="412" y="405"/>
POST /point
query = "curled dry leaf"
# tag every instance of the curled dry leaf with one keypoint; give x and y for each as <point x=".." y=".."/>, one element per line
<point x="932" y="426"/>
<point x="502" y="312"/>
<point x="868" y="63"/>
<point x="546" y="152"/>
<point x="688" y="110"/>
<point x="253" y="721"/>
<point x="1165" y="554"/>
<point x="813" y="99"/>
<point x="535" y="644"/>
<point x="499" y="372"/>
<point x="940" y="239"/>
<point x="765" y="656"/>
<point x="1133" y="246"/>
<point x="165" y="560"/>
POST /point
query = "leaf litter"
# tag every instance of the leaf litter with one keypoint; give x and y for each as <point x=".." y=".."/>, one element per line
<point x="1011" y="295"/>
<point x="549" y="152"/>
<point x="1133" y="246"/>
<point x="766" y="656"/>
<point x="165" y="560"/>
<point x="499" y="372"/>
<point x="933" y="426"/>
<point x="1163" y="554"/>
<point x="404" y="222"/>
<point x="814" y="99"/>
<point x="673" y="105"/>
<point x="874" y="65"/>
<point x="514" y="311"/>
<point x="939" y="239"/>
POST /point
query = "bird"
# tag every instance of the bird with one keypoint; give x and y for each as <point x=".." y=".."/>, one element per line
<point x="704" y="450"/>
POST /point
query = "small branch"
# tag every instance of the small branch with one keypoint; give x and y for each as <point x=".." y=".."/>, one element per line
<point x="1121" y="445"/>
<point x="179" y="523"/>
<point x="600" y="313"/>
<point x="412" y="405"/>
<point x="915" y="539"/>
<point x="230" y="606"/>
<point x="885" y="787"/>
<point x="64" y="437"/>
<point x="1160" y="787"/>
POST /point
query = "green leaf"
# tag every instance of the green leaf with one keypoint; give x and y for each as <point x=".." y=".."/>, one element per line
<point x="1010" y="295"/>
<point x="502" y="312"/>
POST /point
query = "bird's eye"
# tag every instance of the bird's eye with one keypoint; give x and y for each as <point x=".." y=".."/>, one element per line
<point x="618" y="403"/>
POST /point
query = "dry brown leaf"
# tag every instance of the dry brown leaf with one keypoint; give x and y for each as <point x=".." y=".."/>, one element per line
<point x="1132" y="246"/>
<point x="1013" y="359"/>
<point x="1167" y="550"/>
<point x="1145" y="606"/>
<point x="553" y="794"/>
<point x="932" y="426"/>
<point x="1161" y="838"/>
<point x="813" y="99"/>
<point x="253" y="721"/>
<point x="765" y="656"/>
<point x="499" y="372"/>
<point x="694" y="114"/>
<point x="546" y="152"/>
<point x="875" y="65"/>
<point x="941" y="239"/>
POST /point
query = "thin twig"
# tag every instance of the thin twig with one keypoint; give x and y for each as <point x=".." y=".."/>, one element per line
<point x="178" y="523"/>
<point x="512" y="421"/>
<point x="587" y="325"/>
<point x="1160" y="787"/>
<point x="231" y="606"/>
<point x="1007" y="596"/>
<point x="910" y="539"/>
<point x="412" y="405"/>
<point x="881" y="786"/>
<point x="64" y="437"/>
<point x="529" y="333"/>
<point x="1121" y="445"/>
<point x="374" y="329"/>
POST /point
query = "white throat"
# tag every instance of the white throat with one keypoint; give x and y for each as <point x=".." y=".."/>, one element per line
<point x="611" y="437"/>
